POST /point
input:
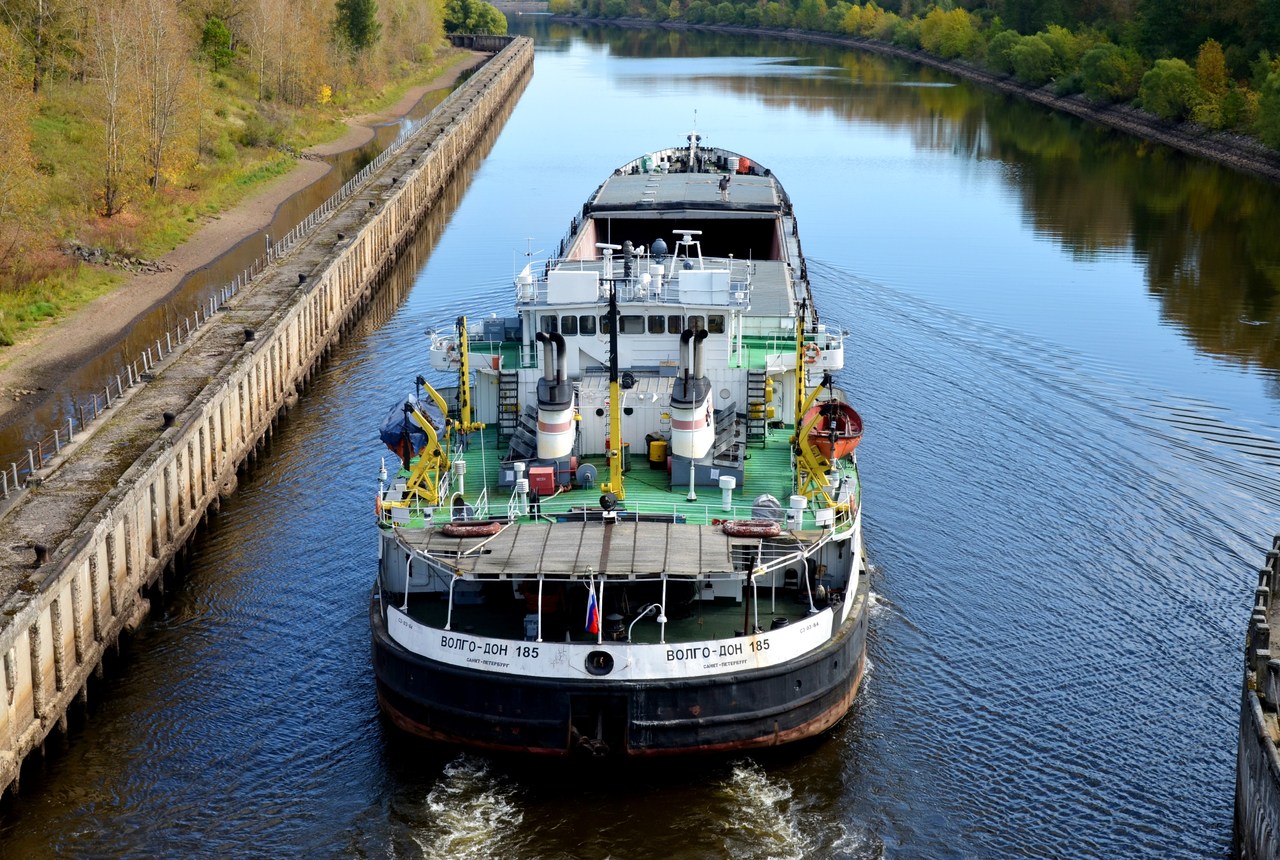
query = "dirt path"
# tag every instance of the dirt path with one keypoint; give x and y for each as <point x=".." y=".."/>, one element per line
<point x="33" y="368"/>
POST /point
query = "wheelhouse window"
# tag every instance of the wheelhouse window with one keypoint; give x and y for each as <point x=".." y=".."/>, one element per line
<point x="605" y="326"/>
<point x="675" y="323"/>
<point x="549" y="324"/>
<point x="657" y="324"/>
<point x="586" y="324"/>
<point x="696" y="323"/>
<point x="632" y="324"/>
<point x="715" y="323"/>
<point x="568" y="325"/>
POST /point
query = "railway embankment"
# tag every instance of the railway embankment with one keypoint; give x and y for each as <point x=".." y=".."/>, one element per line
<point x="95" y="531"/>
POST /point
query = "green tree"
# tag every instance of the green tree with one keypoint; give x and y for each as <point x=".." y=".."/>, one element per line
<point x="1033" y="60"/>
<point x="810" y="14"/>
<point x="358" y="23"/>
<point x="1268" y="122"/>
<point x="215" y="43"/>
<point x="473" y="16"/>
<point x="1000" y="51"/>
<point x="775" y="14"/>
<point x="1110" y="73"/>
<point x="1169" y="89"/>
<point x="1239" y="108"/>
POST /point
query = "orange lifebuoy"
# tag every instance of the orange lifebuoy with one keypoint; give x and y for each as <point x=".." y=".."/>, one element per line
<point x="752" y="528"/>
<point x="811" y="353"/>
<point x="474" y="528"/>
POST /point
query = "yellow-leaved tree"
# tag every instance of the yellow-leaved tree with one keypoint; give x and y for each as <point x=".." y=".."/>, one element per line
<point x="116" y="77"/>
<point x="1211" y="77"/>
<point x="164" y="91"/>
<point x="19" y="182"/>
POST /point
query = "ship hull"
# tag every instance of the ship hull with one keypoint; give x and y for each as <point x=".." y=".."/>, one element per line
<point x="555" y="717"/>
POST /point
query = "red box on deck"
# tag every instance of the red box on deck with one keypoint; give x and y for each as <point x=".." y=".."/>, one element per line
<point x="542" y="480"/>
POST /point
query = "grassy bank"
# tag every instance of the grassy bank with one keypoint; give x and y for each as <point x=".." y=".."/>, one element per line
<point x="231" y="144"/>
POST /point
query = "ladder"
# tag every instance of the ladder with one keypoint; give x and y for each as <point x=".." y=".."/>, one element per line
<point x="508" y="404"/>
<point x="757" y="423"/>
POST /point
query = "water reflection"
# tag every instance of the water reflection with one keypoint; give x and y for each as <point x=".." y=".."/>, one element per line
<point x="1061" y="546"/>
<point x="1203" y="234"/>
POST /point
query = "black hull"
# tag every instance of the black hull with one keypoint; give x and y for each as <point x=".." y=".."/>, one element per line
<point x="747" y="710"/>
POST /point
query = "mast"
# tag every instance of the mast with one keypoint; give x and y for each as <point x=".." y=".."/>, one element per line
<point x="465" y="424"/>
<point x="614" y="453"/>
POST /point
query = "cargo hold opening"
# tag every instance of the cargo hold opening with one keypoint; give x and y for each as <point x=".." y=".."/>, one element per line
<point x="743" y="238"/>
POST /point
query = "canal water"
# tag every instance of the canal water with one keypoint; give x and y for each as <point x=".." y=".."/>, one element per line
<point x="1064" y="344"/>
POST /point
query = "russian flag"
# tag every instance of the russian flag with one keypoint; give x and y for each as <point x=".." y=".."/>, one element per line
<point x="593" y="613"/>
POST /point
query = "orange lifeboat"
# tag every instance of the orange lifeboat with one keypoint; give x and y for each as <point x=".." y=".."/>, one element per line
<point x="835" y="429"/>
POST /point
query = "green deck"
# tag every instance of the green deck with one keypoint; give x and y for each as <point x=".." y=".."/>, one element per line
<point x="645" y="490"/>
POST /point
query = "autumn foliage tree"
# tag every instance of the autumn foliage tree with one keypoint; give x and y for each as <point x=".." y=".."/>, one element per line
<point x="162" y="51"/>
<point x="113" y="77"/>
<point x="18" y="190"/>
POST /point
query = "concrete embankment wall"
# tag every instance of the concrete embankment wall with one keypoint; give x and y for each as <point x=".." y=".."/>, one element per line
<point x="99" y="527"/>
<point x="1257" y="816"/>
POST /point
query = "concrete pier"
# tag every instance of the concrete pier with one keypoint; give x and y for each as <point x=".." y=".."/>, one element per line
<point x="1257" y="815"/>
<point x="101" y="525"/>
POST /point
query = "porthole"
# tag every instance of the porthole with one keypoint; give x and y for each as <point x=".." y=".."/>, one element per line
<point x="600" y="663"/>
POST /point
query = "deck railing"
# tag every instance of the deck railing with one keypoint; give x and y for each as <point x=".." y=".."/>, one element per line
<point x="838" y="520"/>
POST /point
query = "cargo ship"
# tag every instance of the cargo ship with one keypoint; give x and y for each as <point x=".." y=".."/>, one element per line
<point x="626" y="520"/>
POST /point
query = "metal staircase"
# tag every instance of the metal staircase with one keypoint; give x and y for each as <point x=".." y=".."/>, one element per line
<point x="508" y="404"/>
<point x="757" y="422"/>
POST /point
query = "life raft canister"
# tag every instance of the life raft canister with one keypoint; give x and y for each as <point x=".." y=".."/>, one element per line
<point x="475" y="528"/>
<point x="752" y="528"/>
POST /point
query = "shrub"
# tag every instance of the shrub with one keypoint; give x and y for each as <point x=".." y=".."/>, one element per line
<point x="1268" y="122"/>
<point x="1033" y="60"/>
<point x="1169" y="89"/>
<point x="1110" y="73"/>
<point x="1000" y="51"/>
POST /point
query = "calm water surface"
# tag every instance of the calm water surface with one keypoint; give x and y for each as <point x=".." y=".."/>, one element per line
<point x="1064" y="344"/>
